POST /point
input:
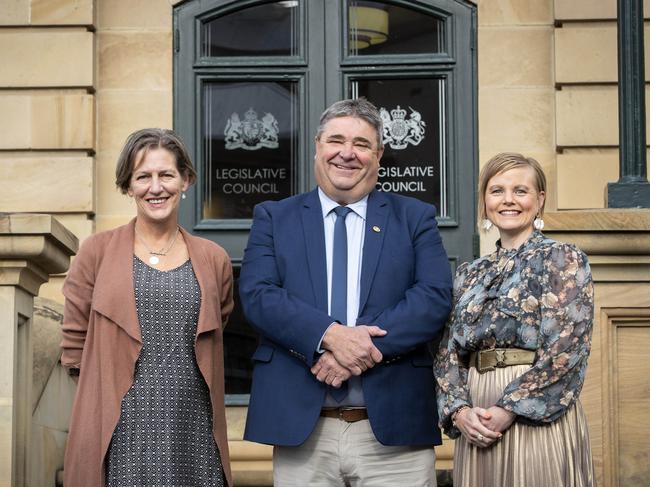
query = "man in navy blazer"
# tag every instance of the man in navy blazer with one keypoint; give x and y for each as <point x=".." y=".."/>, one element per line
<point x="346" y="400"/>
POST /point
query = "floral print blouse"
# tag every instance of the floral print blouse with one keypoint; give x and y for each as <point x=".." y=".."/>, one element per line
<point x="537" y="297"/>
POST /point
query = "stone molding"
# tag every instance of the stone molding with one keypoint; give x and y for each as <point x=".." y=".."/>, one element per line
<point x="33" y="246"/>
<point x="602" y="220"/>
<point x="616" y="241"/>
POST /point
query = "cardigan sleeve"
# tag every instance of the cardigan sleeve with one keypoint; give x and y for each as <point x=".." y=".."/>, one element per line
<point x="78" y="292"/>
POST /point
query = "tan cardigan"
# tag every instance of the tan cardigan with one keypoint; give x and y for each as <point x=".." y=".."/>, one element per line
<point x="101" y="337"/>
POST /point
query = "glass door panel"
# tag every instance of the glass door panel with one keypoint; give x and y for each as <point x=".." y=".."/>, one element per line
<point x="270" y="29"/>
<point x="413" y="112"/>
<point x="241" y="342"/>
<point x="379" y="28"/>
<point x="250" y="139"/>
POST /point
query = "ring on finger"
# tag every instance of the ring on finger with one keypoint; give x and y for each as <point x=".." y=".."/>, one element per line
<point x="479" y="437"/>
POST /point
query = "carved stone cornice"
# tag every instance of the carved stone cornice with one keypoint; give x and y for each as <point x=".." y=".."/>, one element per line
<point x="617" y="241"/>
<point x="32" y="247"/>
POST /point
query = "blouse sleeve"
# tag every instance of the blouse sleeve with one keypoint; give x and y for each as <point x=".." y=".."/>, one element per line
<point x="78" y="291"/>
<point x="544" y="392"/>
<point x="451" y="375"/>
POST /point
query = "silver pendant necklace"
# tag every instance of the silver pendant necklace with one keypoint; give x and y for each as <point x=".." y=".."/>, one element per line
<point x="154" y="256"/>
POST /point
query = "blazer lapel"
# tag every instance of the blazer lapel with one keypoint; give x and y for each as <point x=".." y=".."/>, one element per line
<point x="312" y="224"/>
<point x="114" y="295"/>
<point x="376" y="228"/>
<point x="205" y="275"/>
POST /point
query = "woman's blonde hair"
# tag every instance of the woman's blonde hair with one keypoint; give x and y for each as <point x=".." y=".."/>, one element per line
<point x="501" y="163"/>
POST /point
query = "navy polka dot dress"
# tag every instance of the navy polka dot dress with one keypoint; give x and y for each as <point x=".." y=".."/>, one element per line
<point x="164" y="435"/>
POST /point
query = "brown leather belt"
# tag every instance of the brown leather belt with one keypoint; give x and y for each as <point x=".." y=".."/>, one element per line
<point x="351" y="415"/>
<point x="487" y="360"/>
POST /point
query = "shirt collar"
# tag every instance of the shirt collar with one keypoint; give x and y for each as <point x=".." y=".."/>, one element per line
<point x="328" y="204"/>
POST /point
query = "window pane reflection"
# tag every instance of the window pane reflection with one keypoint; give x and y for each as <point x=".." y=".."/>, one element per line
<point x="413" y="112"/>
<point x="264" y="30"/>
<point x="378" y="28"/>
<point x="249" y="144"/>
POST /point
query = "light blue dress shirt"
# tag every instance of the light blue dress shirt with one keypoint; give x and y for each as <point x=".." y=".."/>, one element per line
<point x="355" y="224"/>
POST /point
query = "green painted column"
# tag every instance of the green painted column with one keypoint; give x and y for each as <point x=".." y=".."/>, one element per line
<point x="632" y="190"/>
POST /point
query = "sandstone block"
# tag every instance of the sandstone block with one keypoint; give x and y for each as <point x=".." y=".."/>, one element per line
<point x="515" y="12"/>
<point x="590" y="9"/>
<point x="46" y="58"/>
<point x="519" y="119"/>
<point x="516" y="56"/>
<point x="125" y="56"/>
<point x="583" y="178"/>
<point x="47" y="185"/>
<point x="47" y="121"/>
<point x="587" y="116"/>
<point x="587" y="53"/>
<point x="63" y="12"/>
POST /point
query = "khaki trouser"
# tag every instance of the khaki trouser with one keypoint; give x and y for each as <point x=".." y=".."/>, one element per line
<point x="344" y="454"/>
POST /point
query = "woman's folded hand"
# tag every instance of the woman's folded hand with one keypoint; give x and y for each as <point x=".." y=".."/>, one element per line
<point x="471" y="423"/>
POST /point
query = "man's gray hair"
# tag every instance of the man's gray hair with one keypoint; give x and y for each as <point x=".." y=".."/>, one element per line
<point x="358" y="108"/>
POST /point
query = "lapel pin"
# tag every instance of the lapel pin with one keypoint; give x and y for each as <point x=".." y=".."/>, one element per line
<point x="376" y="229"/>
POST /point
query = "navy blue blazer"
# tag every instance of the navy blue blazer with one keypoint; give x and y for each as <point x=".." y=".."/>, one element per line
<point x="406" y="289"/>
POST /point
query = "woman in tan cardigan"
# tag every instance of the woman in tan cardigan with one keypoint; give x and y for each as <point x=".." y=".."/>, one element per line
<point x="145" y="308"/>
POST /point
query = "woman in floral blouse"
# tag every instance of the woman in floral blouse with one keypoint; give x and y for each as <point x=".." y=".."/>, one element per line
<point x="512" y="362"/>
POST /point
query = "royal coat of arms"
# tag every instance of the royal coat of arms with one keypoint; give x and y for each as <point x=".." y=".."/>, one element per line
<point x="399" y="131"/>
<point x="251" y="133"/>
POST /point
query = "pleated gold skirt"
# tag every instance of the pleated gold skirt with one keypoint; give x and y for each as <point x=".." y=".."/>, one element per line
<point x="553" y="455"/>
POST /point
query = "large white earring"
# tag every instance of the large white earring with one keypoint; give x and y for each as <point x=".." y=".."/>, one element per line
<point x="183" y="196"/>
<point x="486" y="224"/>
<point x="538" y="223"/>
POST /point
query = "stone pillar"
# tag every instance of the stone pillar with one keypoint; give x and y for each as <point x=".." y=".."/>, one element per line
<point x="616" y="393"/>
<point x="31" y="248"/>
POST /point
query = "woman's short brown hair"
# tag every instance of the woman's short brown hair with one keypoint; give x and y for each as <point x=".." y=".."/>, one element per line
<point x="142" y="141"/>
<point x="501" y="163"/>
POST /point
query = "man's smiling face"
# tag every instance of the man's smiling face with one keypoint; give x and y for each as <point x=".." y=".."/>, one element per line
<point x="347" y="158"/>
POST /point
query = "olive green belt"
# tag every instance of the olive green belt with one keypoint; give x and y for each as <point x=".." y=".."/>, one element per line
<point x="487" y="360"/>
